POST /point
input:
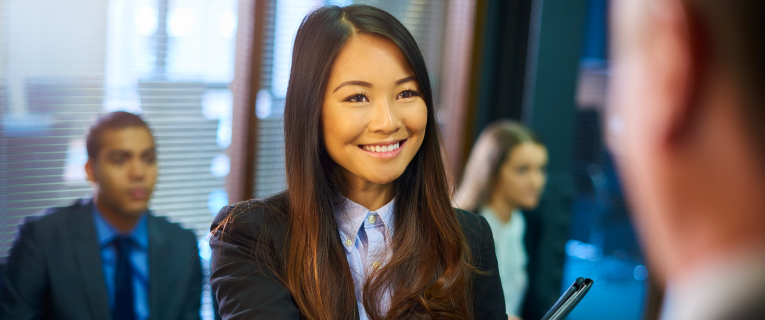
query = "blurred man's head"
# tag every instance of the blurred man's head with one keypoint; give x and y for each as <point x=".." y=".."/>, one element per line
<point x="687" y="124"/>
<point x="121" y="163"/>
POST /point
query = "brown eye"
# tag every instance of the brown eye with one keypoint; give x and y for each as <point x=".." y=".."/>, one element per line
<point x="149" y="159"/>
<point x="357" y="98"/>
<point x="406" y="94"/>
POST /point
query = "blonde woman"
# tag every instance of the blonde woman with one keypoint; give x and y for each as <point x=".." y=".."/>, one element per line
<point x="506" y="173"/>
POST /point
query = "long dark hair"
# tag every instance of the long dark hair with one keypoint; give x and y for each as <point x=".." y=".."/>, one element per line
<point x="429" y="272"/>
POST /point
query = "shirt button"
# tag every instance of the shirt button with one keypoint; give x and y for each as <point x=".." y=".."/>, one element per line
<point x="376" y="265"/>
<point x="372" y="219"/>
<point x="348" y="243"/>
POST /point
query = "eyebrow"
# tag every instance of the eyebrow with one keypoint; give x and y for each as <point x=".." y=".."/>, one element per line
<point x="353" y="83"/>
<point x="369" y="85"/>
<point x="122" y="152"/>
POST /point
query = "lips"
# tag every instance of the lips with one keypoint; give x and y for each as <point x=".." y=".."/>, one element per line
<point x="138" y="193"/>
<point x="383" y="150"/>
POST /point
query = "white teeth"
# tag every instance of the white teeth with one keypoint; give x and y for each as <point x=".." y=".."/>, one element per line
<point x="387" y="148"/>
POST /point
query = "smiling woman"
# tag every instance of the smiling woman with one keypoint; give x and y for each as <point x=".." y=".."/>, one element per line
<point x="365" y="228"/>
<point x="372" y="109"/>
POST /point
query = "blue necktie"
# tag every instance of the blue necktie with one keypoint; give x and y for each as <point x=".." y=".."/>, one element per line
<point x="123" y="282"/>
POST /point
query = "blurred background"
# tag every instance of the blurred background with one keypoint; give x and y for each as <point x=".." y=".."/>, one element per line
<point x="210" y="77"/>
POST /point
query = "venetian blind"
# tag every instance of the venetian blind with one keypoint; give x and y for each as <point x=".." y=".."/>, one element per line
<point x="65" y="62"/>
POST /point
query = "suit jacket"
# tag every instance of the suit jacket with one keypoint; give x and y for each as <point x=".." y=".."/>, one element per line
<point x="54" y="269"/>
<point x="245" y="287"/>
<point x="547" y="230"/>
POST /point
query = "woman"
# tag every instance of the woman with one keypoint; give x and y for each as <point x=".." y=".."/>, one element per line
<point x="365" y="228"/>
<point x="504" y="174"/>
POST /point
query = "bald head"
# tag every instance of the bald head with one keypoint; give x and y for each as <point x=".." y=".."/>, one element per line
<point x="723" y="34"/>
<point x="686" y="124"/>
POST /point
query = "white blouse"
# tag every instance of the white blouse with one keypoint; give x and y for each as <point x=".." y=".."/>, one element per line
<point x="511" y="257"/>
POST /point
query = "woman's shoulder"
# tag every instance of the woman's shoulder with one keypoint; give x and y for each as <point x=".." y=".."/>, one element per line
<point x="253" y="213"/>
<point x="473" y="225"/>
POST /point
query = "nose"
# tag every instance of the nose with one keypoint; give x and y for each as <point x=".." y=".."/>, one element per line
<point x="538" y="179"/>
<point x="137" y="170"/>
<point x="385" y="118"/>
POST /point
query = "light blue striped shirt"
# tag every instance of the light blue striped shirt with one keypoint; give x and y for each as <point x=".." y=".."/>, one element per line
<point x="366" y="235"/>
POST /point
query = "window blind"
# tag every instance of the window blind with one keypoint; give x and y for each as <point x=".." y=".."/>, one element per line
<point x="64" y="63"/>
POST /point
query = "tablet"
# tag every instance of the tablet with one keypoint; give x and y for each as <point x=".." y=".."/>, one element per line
<point x="568" y="301"/>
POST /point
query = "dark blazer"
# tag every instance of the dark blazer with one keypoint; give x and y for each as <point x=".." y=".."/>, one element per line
<point x="246" y="289"/>
<point x="547" y="230"/>
<point x="54" y="270"/>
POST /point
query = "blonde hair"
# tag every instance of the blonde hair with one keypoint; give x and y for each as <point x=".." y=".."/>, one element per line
<point x="489" y="153"/>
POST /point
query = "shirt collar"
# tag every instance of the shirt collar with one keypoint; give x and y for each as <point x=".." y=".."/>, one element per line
<point x="106" y="232"/>
<point x="716" y="288"/>
<point x="350" y="216"/>
<point x="491" y="217"/>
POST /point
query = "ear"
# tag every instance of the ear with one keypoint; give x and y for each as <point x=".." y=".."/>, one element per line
<point x="678" y="55"/>
<point x="89" y="171"/>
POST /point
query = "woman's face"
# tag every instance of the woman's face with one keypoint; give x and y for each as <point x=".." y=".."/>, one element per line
<point x="523" y="175"/>
<point x="373" y="115"/>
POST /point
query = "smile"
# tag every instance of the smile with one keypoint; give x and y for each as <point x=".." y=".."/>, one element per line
<point x="383" y="150"/>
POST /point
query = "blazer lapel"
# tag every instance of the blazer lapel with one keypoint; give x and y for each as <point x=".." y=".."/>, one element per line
<point x="157" y="247"/>
<point x="88" y="254"/>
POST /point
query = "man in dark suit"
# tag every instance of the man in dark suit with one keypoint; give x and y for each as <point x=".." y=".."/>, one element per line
<point x="107" y="257"/>
<point x="687" y="126"/>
